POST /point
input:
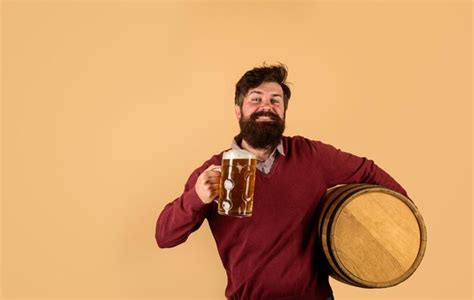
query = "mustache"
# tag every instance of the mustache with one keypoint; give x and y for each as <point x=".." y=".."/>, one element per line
<point x="269" y="114"/>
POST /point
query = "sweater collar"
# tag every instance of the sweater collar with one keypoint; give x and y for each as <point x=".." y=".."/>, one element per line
<point x="237" y="141"/>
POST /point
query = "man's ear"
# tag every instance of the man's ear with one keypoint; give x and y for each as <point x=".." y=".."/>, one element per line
<point x="238" y="112"/>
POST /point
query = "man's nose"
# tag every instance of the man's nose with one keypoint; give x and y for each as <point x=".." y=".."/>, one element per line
<point x="266" y="105"/>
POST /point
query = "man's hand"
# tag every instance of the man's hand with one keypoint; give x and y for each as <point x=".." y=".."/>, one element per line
<point x="207" y="184"/>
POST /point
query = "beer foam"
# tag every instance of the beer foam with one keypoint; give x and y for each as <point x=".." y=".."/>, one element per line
<point x="238" y="154"/>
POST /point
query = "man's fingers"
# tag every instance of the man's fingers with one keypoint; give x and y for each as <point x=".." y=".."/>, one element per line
<point x="212" y="187"/>
<point x="208" y="183"/>
<point x="212" y="180"/>
<point x="213" y="177"/>
<point x="212" y="172"/>
<point x="213" y="190"/>
<point x="213" y="168"/>
<point x="215" y="173"/>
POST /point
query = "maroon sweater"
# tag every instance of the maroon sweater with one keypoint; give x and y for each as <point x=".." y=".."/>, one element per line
<point x="272" y="255"/>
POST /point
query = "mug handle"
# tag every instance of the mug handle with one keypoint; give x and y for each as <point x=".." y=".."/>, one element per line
<point x="218" y="169"/>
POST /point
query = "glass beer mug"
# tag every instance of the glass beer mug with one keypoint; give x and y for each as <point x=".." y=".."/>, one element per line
<point x="237" y="183"/>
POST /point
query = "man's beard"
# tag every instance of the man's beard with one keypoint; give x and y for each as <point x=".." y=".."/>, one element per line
<point x="262" y="135"/>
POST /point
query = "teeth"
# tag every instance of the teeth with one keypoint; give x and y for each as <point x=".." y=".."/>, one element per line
<point x="265" y="118"/>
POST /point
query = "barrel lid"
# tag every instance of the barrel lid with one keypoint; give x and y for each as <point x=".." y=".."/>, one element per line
<point x="372" y="236"/>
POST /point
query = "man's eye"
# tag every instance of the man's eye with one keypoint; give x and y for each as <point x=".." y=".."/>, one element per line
<point x="275" y="101"/>
<point x="256" y="99"/>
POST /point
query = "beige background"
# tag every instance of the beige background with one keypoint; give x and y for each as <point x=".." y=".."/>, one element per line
<point x="108" y="106"/>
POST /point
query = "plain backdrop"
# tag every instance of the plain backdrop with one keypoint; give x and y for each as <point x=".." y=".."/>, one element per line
<point x="108" y="106"/>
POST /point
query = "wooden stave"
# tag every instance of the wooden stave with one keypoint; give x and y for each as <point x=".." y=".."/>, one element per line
<point x="334" y="199"/>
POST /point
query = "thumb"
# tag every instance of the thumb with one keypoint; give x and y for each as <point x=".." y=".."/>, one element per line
<point x="214" y="168"/>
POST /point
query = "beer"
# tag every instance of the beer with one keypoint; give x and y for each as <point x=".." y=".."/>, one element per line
<point x="237" y="183"/>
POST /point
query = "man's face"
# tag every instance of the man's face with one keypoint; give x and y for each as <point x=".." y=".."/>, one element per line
<point x="266" y="97"/>
<point x="261" y="118"/>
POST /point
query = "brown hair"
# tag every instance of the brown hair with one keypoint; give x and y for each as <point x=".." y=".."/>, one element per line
<point x="256" y="76"/>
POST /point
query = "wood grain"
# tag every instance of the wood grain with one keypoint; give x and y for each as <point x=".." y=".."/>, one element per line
<point x="371" y="236"/>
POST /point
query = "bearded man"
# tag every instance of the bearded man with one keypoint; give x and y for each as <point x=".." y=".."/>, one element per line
<point x="272" y="255"/>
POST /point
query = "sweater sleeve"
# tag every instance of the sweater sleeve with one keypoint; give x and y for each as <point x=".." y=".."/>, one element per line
<point x="340" y="167"/>
<point x="182" y="216"/>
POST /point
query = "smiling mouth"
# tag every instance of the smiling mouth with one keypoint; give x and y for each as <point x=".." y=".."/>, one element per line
<point x="264" y="119"/>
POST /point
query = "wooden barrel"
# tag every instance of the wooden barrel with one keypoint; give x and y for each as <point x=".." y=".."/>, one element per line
<point x="371" y="237"/>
